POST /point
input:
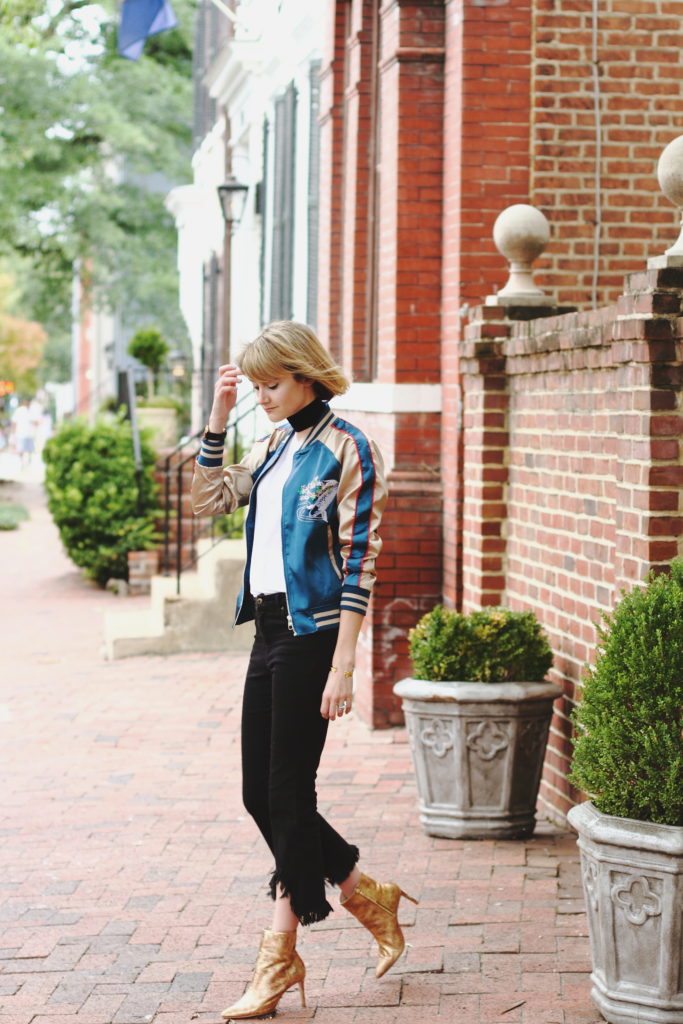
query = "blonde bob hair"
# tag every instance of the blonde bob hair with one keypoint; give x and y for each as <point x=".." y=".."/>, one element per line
<point x="286" y="346"/>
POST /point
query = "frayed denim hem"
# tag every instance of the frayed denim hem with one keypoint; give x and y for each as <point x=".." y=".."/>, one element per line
<point x="322" y="909"/>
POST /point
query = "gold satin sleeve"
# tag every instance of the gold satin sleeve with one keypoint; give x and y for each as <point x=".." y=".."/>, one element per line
<point x="217" y="490"/>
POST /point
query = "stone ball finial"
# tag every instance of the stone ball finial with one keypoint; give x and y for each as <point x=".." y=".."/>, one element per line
<point x="521" y="233"/>
<point x="670" y="171"/>
<point x="670" y="178"/>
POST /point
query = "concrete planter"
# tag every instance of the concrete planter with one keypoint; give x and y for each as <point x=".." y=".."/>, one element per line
<point x="162" y="423"/>
<point x="633" y="882"/>
<point x="478" y="752"/>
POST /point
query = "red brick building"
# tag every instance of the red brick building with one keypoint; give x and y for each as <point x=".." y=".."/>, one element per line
<point x="535" y="462"/>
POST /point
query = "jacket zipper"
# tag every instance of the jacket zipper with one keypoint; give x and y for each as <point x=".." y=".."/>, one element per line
<point x="290" y="624"/>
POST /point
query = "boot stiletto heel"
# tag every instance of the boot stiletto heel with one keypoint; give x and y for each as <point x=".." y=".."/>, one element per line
<point x="278" y="968"/>
<point x="375" y="905"/>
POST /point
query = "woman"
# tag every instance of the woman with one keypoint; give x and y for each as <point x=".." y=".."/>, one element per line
<point x="316" y="492"/>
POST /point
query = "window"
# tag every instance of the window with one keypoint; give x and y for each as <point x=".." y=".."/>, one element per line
<point x="284" y="163"/>
<point x="313" y="194"/>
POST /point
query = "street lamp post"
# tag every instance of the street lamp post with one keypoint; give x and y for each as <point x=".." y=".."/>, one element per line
<point x="232" y="196"/>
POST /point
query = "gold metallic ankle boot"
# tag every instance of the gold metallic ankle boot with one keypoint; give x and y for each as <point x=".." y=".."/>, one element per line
<point x="375" y="905"/>
<point x="278" y="968"/>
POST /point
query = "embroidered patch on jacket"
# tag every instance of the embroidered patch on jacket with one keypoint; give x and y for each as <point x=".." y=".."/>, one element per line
<point x="315" y="498"/>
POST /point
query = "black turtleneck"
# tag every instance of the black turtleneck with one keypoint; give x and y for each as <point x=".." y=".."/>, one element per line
<point x="308" y="416"/>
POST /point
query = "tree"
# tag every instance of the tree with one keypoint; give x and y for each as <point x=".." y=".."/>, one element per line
<point x="89" y="145"/>
<point x="22" y="343"/>
<point x="148" y="346"/>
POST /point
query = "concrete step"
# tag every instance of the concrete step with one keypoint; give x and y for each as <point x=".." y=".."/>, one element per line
<point x="198" y="619"/>
<point x="127" y="634"/>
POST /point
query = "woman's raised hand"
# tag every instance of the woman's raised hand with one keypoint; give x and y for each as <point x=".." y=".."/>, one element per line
<point x="224" y="397"/>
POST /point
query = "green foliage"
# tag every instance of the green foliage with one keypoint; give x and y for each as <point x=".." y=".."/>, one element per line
<point x="494" y="645"/>
<point x="148" y="346"/>
<point x="628" y="751"/>
<point x="11" y="516"/>
<point x="93" y="496"/>
<point x="231" y="526"/>
<point x="90" y="144"/>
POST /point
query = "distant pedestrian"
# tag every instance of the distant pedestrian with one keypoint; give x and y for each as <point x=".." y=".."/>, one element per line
<point x="24" y="422"/>
<point x="315" y="488"/>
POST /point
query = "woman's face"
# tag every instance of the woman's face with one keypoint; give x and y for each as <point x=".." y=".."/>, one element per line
<point x="283" y="396"/>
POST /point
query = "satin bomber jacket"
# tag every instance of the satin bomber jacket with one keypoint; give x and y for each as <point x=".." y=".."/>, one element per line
<point x="332" y="503"/>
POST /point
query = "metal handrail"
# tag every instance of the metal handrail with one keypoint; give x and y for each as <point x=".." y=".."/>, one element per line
<point x="182" y="457"/>
<point x="167" y="493"/>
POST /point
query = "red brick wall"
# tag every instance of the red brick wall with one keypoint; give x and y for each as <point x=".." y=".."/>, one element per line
<point x="411" y="87"/>
<point x="579" y="416"/>
<point x="639" y="45"/>
<point x="331" y="179"/>
<point x="486" y="168"/>
<point x="391" y="295"/>
<point x="358" y="190"/>
<point x="558" y="438"/>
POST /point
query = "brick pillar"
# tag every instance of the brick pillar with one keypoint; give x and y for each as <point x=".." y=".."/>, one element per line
<point x="331" y="179"/>
<point x="648" y="347"/>
<point x="485" y="461"/>
<point x="485" y="449"/>
<point x="486" y="168"/>
<point x="180" y="511"/>
<point x="142" y="565"/>
<point x="359" y="188"/>
<point x="410" y="203"/>
<point x="409" y="584"/>
<point x="391" y="320"/>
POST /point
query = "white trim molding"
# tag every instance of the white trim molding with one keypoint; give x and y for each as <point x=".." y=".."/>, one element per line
<point x="390" y="398"/>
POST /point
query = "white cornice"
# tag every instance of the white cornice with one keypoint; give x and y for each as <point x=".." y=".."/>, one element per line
<point x="182" y="198"/>
<point x="390" y="398"/>
<point x="237" y="62"/>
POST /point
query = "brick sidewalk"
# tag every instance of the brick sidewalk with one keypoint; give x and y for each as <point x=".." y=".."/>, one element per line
<point x="132" y="885"/>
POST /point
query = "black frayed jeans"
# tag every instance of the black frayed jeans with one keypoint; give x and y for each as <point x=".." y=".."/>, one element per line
<point x="283" y="735"/>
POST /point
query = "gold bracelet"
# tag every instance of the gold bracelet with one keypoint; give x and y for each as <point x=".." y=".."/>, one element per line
<point x="347" y="675"/>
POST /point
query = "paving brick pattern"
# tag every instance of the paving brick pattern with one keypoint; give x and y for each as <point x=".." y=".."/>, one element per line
<point x="133" y="886"/>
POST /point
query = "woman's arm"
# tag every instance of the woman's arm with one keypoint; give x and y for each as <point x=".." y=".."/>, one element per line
<point x="361" y="499"/>
<point x="216" y="488"/>
<point x="224" y="397"/>
<point x="339" y="687"/>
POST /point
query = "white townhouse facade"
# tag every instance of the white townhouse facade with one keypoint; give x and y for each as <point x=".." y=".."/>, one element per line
<point x="257" y="65"/>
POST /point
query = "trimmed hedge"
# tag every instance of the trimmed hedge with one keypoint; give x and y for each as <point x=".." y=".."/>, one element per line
<point x="494" y="645"/>
<point x="94" y="497"/>
<point x="628" y="750"/>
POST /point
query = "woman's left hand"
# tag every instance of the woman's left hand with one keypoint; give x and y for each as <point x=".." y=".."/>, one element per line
<point x="338" y="693"/>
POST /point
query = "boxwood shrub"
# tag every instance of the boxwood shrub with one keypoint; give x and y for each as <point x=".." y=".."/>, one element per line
<point x="94" y="498"/>
<point x="628" y="748"/>
<point x="494" y="645"/>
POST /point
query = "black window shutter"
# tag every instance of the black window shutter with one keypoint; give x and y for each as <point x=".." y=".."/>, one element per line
<point x="284" y="164"/>
<point x="263" y="210"/>
<point x="313" y="194"/>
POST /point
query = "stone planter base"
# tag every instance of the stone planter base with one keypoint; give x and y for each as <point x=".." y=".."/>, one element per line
<point x="478" y="751"/>
<point x="633" y="883"/>
<point x="162" y="424"/>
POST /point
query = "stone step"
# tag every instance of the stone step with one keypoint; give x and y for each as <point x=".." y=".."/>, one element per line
<point x="198" y="619"/>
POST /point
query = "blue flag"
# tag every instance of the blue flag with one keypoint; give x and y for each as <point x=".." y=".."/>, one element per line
<point x="141" y="19"/>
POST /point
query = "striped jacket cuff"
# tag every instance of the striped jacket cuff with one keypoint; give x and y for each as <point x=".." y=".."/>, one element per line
<point x="211" y="453"/>
<point x="355" y="599"/>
